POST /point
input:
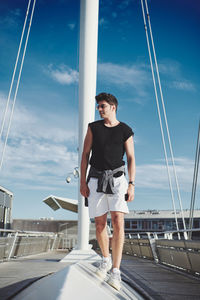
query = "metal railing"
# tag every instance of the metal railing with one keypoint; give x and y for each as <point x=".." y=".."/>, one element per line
<point x="169" y="248"/>
<point x="22" y="243"/>
<point x="16" y="243"/>
<point x="170" y="234"/>
<point x="68" y="242"/>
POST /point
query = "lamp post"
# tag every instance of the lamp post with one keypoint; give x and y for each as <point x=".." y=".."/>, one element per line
<point x="87" y="89"/>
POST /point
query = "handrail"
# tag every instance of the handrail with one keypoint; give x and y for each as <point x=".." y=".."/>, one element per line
<point x="41" y="233"/>
<point x="14" y="243"/>
<point x="182" y="254"/>
<point x="167" y="234"/>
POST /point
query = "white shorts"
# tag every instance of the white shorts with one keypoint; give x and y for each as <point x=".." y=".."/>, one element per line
<point x="100" y="203"/>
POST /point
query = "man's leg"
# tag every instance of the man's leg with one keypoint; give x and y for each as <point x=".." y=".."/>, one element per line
<point x="117" y="247"/>
<point x="118" y="237"/>
<point x="102" y="238"/>
<point x="102" y="235"/>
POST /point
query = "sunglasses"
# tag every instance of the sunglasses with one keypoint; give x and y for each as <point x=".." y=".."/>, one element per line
<point x="101" y="106"/>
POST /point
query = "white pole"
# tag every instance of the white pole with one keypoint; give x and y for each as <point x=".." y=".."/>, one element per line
<point x="87" y="89"/>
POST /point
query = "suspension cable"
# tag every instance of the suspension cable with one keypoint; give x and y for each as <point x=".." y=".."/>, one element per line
<point x="13" y="76"/>
<point x="159" y="115"/>
<point x="17" y="86"/>
<point x="194" y="185"/>
<point x="165" y="116"/>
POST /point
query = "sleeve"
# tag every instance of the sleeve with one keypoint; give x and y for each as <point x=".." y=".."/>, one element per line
<point x="127" y="132"/>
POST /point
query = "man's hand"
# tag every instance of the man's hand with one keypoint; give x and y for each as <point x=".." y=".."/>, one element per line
<point x="131" y="192"/>
<point x="84" y="190"/>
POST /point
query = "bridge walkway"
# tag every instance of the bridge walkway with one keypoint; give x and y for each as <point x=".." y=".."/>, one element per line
<point x="151" y="280"/>
<point x="159" y="281"/>
<point x="17" y="274"/>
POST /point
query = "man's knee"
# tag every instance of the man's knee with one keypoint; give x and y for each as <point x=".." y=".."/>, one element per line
<point x="118" y="222"/>
<point x="100" y="224"/>
<point x="100" y="227"/>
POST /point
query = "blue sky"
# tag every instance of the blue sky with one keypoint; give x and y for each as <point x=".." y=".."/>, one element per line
<point x="42" y="146"/>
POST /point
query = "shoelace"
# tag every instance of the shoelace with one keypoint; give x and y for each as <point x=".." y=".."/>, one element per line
<point x="103" y="265"/>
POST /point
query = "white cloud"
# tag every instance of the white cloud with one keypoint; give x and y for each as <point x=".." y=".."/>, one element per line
<point x="38" y="163"/>
<point x="40" y="151"/>
<point x="11" y="20"/>
<point x="63" y="74"/>
<point x="154" y="176"/>
<point x="138" y="77"/>
<point x="183" y="85"/>
<point x="134" y="76"/>
<point x="124" y="4"/>
<point x="169" y="67"/>
<point x="71" y="26"/>
<point x="172" y="69"/>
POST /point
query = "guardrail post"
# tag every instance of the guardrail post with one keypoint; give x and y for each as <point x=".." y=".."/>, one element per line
<point x="13" y="245"/>
<point x="153" y="246"/>
<point x="155" y="235"/>
<point x="54" y="242"/>
<point x="185" y="235"/>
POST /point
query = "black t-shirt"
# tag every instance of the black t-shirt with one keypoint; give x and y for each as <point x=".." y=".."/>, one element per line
<point x="108" y="145"/>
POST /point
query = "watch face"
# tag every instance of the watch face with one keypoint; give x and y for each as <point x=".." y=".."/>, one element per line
<point x="131" y="182"/>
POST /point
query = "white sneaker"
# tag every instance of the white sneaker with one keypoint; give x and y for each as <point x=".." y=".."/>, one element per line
<point x="115" y="279"/>
<point x="105" y="266"/>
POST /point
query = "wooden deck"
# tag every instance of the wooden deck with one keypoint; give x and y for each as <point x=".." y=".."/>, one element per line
<point x="158" y="281"/>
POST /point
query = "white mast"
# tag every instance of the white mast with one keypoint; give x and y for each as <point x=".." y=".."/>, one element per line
<point x="87" y="89"/>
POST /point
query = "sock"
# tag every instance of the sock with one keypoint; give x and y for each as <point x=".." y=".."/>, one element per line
<point x="116" y="270"/>
<point x="106" y="259"/>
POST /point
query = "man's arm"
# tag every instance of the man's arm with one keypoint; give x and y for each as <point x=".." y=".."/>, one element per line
<point x="84" y="190"/>
<point x="129" y="148"/>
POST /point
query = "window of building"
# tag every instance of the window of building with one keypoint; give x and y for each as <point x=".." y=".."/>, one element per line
<point x="134" y="224"/>
<point x="196" y="223"/>
<point x="155" y="225"/>
<point x="174" y="225"/>
<point x="127" y="224"/>
<point x="168" y="225"/>
<point x="139" y="224"/>
<point x="161" y="225"/>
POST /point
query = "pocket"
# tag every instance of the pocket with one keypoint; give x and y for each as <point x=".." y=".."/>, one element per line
<point x="120" y="184"/>
<point x="92" y="184"/>
<point x="125" y="182"/>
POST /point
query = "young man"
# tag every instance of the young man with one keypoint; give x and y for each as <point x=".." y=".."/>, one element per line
<point x="106" y="187"/>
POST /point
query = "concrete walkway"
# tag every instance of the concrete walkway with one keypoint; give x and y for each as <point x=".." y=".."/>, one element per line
<point x="18" y="274"/>
<point x="151" y="280"/>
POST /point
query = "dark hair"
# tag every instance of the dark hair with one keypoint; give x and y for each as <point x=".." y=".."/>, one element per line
<point x="108" y="98"/>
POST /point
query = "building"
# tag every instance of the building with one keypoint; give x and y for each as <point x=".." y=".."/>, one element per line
<point x="6" y="198"/>
<point x="135" y="221"/>
<point x="157" y="220"/>
<point x="67" y="227"/>
<point x="44" y="225"/>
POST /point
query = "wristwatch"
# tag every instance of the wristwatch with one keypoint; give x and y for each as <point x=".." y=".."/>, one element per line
<point x="131" y="182"/>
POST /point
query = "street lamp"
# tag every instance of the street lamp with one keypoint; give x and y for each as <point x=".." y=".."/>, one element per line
<point x="75" y="174"/>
